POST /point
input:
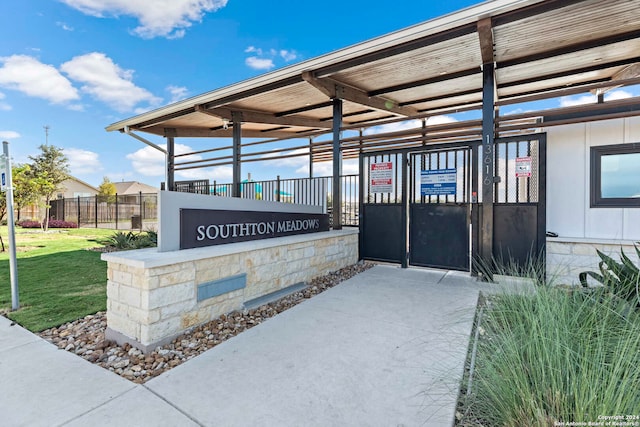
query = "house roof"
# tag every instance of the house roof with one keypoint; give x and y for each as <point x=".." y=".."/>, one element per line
<point x="73" y="178"/>
<point x="133" y="187"/>
<point x="541" y="49"/>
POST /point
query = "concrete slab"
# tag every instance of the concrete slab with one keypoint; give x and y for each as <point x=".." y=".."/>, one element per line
<point x="43" y="386"/>
<point x="136" y="407"/>
<point x="385" y="348"/>
<point x="12" y="335"/>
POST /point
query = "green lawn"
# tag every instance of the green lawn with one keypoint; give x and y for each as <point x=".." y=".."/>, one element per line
<point x="58" y="279"/>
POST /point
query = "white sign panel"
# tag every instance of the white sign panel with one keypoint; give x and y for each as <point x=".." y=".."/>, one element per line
<point x="3" y="173"/>
<point x="440" y="182"/>
<point x="523" y="167"/>
<point x="381" y="177"/>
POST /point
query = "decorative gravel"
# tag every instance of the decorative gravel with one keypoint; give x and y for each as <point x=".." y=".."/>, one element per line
<point x="85" y="337"/>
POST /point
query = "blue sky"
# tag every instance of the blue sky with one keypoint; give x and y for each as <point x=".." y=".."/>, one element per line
<point x="80" y="65"/>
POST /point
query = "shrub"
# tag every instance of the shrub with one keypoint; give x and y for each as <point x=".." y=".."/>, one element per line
<point x="56" y="223"/>
<point x="53" y="223"/>
<point x="30" y="224"/>
<point x="620" y="278"/>
<point x="131" y="240"/>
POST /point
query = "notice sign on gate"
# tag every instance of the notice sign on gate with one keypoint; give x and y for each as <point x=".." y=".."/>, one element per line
<point x="523" y="167"/>
<point x="381" y="177"/>
<point x="439" y="182"/>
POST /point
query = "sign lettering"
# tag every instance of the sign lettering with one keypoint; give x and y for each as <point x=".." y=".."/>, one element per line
<point x="208" y="227"/>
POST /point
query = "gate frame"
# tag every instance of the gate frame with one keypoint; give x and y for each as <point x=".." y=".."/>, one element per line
<point x="476" y="208"/>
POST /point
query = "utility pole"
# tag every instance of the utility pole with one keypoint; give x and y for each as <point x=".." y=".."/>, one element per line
<point x="46" y="134"/>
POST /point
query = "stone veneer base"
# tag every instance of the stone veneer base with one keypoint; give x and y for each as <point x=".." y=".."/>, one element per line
<point x="568" y="257"/>
<point x="152" y="296"/>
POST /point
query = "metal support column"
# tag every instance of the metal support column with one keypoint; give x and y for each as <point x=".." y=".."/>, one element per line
<point x="237" y="143"/>
<point x="170" y="134"/>
<point x="310" y="157"/>
<point x="337" y="165"/>
<point x="488" y="156"/>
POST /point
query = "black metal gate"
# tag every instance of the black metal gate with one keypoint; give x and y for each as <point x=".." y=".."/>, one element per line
<point x="439" y="208"/>
<point x="519" y="210"/>
<point x="423" y="207"/>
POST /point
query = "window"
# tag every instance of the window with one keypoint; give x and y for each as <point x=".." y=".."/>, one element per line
<point x="615" y="175"/>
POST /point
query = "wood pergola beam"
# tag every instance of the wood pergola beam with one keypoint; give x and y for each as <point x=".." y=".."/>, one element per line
<point x="485" y="34"/>
<point x="249" y="116"/>
<point x="335" y="89"/>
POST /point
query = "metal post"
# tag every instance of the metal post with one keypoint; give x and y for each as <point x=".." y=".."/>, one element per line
<point x="237" y="145"/>
<point x="96" y="206"/>
<point x="404" y="164"/>
<point x="337" y="165"/>
<point x="141" y="208"/>
<point x="488" y="173"/>
<point x="78" y="205"/>
<point x="170" y="133"/>
<point x="278" y="188"/>
<point x="117" y="211"/>
<point x="13" y="262"/>
<point x="310" y="158"/>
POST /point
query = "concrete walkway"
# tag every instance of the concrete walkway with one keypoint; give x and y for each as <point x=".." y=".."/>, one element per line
<point x="385" y="348"/>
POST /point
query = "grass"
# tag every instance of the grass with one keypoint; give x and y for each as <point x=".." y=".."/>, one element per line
<point x="58" y="279"/>
<point x="556" y="356"/>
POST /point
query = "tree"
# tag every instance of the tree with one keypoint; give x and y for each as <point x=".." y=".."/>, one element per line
<point x="25" y="187"/>
<point x="107" y="191"/>
<point x="25" y="190"/>
<point x="50" y="168"/>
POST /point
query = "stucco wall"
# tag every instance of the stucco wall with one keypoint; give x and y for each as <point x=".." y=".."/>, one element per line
<point x="582" y="229"/>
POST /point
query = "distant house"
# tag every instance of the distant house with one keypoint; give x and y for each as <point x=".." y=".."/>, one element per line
<point x="133" y="187"/>
<point x="70" y="188"/>
<point x="73" y="187"/>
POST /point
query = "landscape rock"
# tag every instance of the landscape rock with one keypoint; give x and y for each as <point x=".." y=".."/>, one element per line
<point x="85" y="337"/>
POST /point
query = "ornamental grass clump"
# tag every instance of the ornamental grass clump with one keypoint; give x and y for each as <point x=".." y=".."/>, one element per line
<point x="556" y="356"/>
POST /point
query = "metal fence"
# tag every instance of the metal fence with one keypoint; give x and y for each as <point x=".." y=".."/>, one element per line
<point x="124" y="212"/>
<point x="140" y="211"/>
<point x="306" y="191"/>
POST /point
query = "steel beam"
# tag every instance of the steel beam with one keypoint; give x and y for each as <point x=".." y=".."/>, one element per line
<point x="237" y="146"/>
<point x="170" y="134"/>
<point x="337" y="165"/>
<point x="488" y="156"/>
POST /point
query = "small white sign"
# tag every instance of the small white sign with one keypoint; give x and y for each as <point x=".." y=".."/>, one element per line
<point x="3" y="173"/>
<point x="523" y="167"/>
<point x="381" y="177"/>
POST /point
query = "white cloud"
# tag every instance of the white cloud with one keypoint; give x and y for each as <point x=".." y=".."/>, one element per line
<point x="264" y="59"/>
<point x="107" y="82"/>
<point x="177" y="93"/>
<point x="82" y="161"/>
<point x="288" y="55"/>
<point x="150" y="162"/>
<point x="64" y="26"/>
<point x="259" y="63"/>
<point x="349" y="167"/>
<point x="157" y="18"/>
<point x="569" y="101"/>
<point x="253" y="49"/>
<point x="3" y="105"/>
<point x="33" y="78"/>
<point x="409" y="124"/>
<point x="9" y="134"/>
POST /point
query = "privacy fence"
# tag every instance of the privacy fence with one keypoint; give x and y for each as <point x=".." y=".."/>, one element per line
<point x="125" y="212"/>
<point x="140" y="211"/>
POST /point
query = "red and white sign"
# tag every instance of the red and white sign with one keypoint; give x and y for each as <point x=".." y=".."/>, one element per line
<point x="523" y="167"/>
<point x="381" y="177"/>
